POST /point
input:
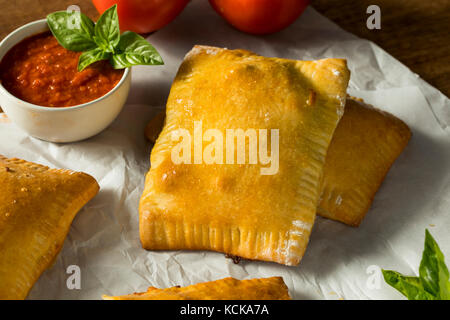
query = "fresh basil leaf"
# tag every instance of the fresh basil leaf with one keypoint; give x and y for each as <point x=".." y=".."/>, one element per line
<point x="128" y="39"/>
<point x="410" y="287"/>
<point x="73" y="30"/>
<point x="107" y="31"/>
<point x="135" y="50"/>
<point x="89" y="57"/>
<point x="433" y="272"/>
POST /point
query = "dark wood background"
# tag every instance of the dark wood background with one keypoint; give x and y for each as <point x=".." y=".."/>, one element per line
<point x="416" y="32"/>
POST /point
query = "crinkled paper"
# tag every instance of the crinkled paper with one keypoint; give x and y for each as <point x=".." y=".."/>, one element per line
<point x="341" y="262"/>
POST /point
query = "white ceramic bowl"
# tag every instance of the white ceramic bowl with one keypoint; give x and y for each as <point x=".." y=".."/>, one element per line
<point x="66" y="124"/>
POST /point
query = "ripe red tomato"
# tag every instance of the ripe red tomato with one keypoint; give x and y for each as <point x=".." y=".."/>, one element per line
<point x="259" y="16"/>
<point x="143" y="16"/>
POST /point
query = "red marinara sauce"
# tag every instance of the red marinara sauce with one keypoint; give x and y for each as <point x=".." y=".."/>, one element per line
<point x="40" y="71"/>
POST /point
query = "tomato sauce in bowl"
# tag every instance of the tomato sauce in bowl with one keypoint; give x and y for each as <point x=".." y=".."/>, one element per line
<point x="40" y="71"/>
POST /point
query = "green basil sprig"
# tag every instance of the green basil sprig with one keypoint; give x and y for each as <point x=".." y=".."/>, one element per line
<point x="102" y="40"/>
<point x="433" y="280"/>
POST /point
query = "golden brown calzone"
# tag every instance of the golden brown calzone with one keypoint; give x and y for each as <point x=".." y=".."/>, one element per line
<point x="225" y="289"/>
<point x="235" y="208"/>
<point x="37" y="206"/>
<point x="365" y="145"/>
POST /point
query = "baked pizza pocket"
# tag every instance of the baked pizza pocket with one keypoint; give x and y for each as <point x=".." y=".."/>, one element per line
<point x="247" y="207"/>
<point x="224" y="289"/>
<point x="365" y="145"/>
<point x="37" y="206"/>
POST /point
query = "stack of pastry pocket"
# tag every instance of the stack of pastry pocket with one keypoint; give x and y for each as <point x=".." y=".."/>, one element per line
<point x="234" y="208"/>
<point x="325" y="162"/>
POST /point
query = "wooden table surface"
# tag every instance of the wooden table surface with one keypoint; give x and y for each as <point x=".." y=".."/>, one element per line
<point x="416" y="32"/>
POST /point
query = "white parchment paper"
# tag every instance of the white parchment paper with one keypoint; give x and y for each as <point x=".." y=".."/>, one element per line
<point x="104" y="240"/>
